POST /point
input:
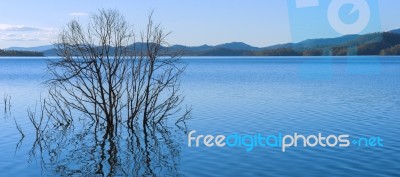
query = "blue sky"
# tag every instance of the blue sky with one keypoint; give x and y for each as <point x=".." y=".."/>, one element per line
<point x="256" y="22"/>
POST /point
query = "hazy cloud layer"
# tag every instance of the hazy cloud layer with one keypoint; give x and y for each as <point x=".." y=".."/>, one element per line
<point x="78" y="14"/>
<point x="9" y="27"/>
<point x="10" y="32"/>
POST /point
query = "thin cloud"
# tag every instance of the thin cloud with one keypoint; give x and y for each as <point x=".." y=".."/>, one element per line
<point x="9" y="27"/>
<point x="78" y="14"/>
<point x="18" y="37"/>
<point x="10" y="32"/>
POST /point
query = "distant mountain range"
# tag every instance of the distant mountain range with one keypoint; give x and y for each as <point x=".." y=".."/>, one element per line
<point x="34" y="49"/>
<point x="383" y="43"/>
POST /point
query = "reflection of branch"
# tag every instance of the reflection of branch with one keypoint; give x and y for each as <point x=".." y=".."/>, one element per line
<point x="5" y="102"/>
<point x="40" y="129"/>
<point x="22" y="135"/>
<point x="7" y="105"/>
<point x="108" y="150"/>
<point x="154" y="150"/>
<point x="19" y="129"/>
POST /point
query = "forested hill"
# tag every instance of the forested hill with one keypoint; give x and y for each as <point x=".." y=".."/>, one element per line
<point x="387" y="43"/>
<point x="382" y="43"/>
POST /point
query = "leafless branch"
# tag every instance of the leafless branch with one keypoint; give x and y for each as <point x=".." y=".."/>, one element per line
<point x="104" y="73"/>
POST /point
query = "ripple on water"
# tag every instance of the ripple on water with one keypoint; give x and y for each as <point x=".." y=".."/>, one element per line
<point x="253" y="96"/>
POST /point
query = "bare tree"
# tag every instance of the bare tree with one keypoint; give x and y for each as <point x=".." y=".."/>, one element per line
<point x="105" y="74"/>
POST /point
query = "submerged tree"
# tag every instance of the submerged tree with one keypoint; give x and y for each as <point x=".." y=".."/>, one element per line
<point x="108" y="76"/>
<point x="123" y="89"/>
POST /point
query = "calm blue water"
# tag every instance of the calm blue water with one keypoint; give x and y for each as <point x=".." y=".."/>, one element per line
<point x="359" y="96"/>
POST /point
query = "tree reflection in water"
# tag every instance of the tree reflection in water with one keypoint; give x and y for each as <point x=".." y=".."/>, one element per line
<point x="101" y="149"/>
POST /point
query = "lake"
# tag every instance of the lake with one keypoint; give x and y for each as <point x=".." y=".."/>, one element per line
<point x="357" y="96"/>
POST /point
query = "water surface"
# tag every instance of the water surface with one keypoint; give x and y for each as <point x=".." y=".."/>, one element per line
<point x="359" y="96"/>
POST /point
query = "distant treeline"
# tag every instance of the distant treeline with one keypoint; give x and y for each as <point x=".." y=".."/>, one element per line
<point x="382" y="43"/>
<point x="371" y="44"/>
<point x="19" y="53"/>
